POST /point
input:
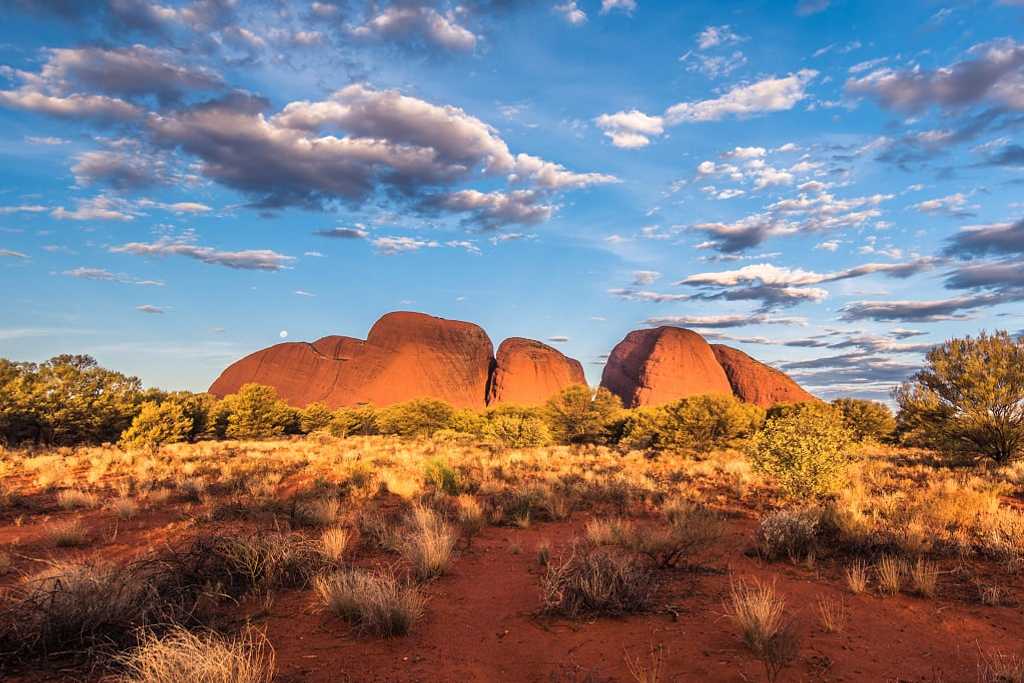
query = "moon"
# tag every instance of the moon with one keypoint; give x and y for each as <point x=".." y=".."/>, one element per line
<point x="283" y="334"/>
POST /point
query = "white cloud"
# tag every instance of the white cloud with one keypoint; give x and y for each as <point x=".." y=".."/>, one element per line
<point x="713" y="36"/>
<point x="630" y="129"/>
<point x="768" y="95"/>
<point x="628" y="6"/>
<point x="572" y="13"/>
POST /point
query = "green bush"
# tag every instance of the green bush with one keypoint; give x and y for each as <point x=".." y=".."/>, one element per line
<point x="640" y="428"/>
<point x="358" y="420"/>
<point x="314" y="417"/>
<point x="256" y="412"/>
<point x="969" y="400"/>
<point x="804" y="448"/>
<point x="442" y="477"/>
<point x="579" y="414"/>
<point x="706" y="422"/>
<point x="157" y="424"/>
<point x="522" y="428"/>
<point x="866" y="419"/>
<point x="417" y="418"/>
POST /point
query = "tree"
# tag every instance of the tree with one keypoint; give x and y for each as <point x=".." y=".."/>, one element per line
<point x="419" y="417"/>
<point x="255" y="412"/>
<point x="157" y="424"/>
<point x="65" y="401"/>
<point x="866" y="419"/>
<point x="969" y="399"/>
<point x="579" y="414"/>
<point x="314" y="417"/>
<point x="706" y="422"/>
<point x="804" y="448"/>
<point x="517" y="429"/>
<point x="358" y="420"/>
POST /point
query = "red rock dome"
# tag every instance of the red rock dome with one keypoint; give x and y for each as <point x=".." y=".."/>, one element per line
<point x="528" y="373"/>
<point x="651" y="367"/>
<point x="754" y="382"/>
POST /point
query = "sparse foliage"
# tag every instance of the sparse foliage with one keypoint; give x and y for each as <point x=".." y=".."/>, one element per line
<point x="579" y="414"/>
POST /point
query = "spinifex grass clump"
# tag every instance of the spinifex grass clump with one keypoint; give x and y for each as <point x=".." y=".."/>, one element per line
<point x="599" y="581"/>
<point x="374" y="603"/>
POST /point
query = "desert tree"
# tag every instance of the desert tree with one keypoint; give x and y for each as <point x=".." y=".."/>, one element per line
<point x="866" y="419"/>
<point x="968" y="400"/>
<point x="579" y="414"/>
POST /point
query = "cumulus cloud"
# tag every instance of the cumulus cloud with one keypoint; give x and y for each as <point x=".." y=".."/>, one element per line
<point x="714" y="36"/>
<point x="492" y="210"/>
<point x="992" y="73"/>
<point x="96" y="107"/>
<point x="630" y="129"/>
<point x="775" y="286"/>
<point x="126" y="72"/>
<point x="117" y="169"/>
<point x="250" y="259"/>
<point x="571" y="12"/>
<point x="393" y="142"/>
<point x="627" y="6"/>
<point x="954" y="205"/>
<point x="102" y="208"/>
<point x="417" y="24"/>
<point x="767" y="95"/>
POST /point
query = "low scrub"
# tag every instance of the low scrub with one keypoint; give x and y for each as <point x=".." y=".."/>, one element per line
<point x="374" y="603"/>
<point x="597" y="581"/>
<point x="180" y="656"/>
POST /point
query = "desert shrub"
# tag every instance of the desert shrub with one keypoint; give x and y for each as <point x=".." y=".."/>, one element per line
<point x="804" y="448"/>
<point x="788" y="533"/>
<point x="256" y="412"/>
<point x="597" y="581"/>
<point x="468" y="422"/>
<point x="442" y="477"/>
<point x="157" y="424"/>
<point x="516" y="431"/>
<point x="969" y="399"/>
<point x="417" y="418"/>
<point x="374" y="603"/>
<point x="259" y="561"/>
<point x="866" y="419"/>
<point x="640" y="428"/>
<point x="706" y="422"/>
<point x="354" y="421"/>
<point x="180" y="656"/>
<point x="314" y="417"/>
<point x="579" y="414"/>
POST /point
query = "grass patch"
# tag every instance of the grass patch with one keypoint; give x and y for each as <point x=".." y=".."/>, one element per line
<point x="374" y="603"/>
<point x="180" y="656"/>
<point x="597" y="581"/>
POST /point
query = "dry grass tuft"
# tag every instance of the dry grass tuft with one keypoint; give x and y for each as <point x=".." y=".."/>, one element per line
<point x="429" y="549"/>
<point x="649" y="671"/>
<point x="74" y="499"/>
<point x="334" y="542"/>
<point x="832" y="614"/>
<point x="596" y="581"/>
<point x="924" y="577"/>
<point x="376" y="604"/>
<point x="124" y="508"/>
<point x="68" y="534"/>
<point x="857" y="577"/>
<point x="757" y="611"/>
<point x="999" y="667"/>
<point x="890" y="570"/>
<point x="183" y="657"/>
<point x="319" y="513"/>
<point x="471" y="514"/>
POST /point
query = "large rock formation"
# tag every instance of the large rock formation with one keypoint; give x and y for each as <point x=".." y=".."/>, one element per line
<point x="412" y="355"/>
<point x="528" y="373"/>
<point x="405" y="356"/>
<point x="655" y="366"/>
<point x="754" y="382"/>
<point x="651" y="367"/>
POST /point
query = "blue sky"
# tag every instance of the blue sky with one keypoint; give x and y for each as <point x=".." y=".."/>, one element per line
<point x="830" y="185"/>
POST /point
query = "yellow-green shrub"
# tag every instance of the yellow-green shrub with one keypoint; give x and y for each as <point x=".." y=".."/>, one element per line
<point x="416" y="418"/>
<point x="314" y="417"/>
<point x="866" y="419"/>
<point x="157" y="424"/>
<point x="804" y="448"/>
<point x="256" y="412"/>
<point x="579" y="414"/>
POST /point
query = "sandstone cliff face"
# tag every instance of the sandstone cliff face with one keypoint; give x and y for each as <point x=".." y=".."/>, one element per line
<point x="651" y="367"/>
<point x="754" y="382"/>
<point x="405" y="356"/>
<point x="528" y="373"/>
